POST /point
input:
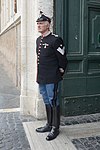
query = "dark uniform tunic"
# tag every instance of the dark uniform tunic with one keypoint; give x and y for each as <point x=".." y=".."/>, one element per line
<point x="51" y="56"/>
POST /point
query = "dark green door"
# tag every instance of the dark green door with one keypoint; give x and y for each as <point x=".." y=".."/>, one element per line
<point x="78" y="22"/>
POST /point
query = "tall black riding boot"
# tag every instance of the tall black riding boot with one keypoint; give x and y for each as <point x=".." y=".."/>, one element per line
<point x="55" y="125"/>
<point x="48" y="125"/>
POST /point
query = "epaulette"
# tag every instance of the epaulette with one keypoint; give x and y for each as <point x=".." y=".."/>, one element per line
<point x="55" y="35"/>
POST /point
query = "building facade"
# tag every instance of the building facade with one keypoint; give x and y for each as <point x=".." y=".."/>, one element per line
<point x="10" y="36"/>
<point x="78" y="23"/>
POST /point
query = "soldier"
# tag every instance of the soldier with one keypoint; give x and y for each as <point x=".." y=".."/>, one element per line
<point x="51" y="65"/>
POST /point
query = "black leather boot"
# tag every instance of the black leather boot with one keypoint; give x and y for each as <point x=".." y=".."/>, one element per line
<point x="48" y="126"/>
<point x="55" y="125"/>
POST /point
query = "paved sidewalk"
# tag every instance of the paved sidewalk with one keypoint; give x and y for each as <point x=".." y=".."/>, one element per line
<point x="78" y="135"/>
<point x="12" y="134"/>
<point x="83" y="131"/>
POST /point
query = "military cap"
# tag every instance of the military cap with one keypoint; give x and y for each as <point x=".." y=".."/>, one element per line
<point x="42" y="17"/>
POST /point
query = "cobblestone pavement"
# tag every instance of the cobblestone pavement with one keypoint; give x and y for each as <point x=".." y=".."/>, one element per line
<point x="12" y="134"/>
<point x="80" y="119"/>
<point x="88" y="143"/>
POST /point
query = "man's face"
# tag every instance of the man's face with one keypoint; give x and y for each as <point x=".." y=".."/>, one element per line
<point x="43" y="26"/>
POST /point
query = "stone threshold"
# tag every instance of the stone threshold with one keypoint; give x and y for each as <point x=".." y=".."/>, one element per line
<point x="10" y="110"/>
<point x="38" y="142"/>
<point x="64" y="140"/>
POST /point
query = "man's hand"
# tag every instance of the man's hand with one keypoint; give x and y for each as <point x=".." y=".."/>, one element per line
<point x="61" y="70"/>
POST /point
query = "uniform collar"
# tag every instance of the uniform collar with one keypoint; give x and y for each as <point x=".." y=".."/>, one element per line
<point x="46" y="34"/>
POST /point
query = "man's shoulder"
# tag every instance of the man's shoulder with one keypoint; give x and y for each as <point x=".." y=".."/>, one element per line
<point x="56" y="36"/>
<point x="39" y="37"/>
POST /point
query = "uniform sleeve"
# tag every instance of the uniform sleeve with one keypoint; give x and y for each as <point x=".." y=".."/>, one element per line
<point x="60" y="53"/>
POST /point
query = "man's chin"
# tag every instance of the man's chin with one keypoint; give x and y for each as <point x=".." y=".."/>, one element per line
<point x="39" y="31"/>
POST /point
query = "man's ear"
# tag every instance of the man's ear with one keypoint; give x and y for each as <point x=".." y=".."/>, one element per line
<point x="48" y="25"/>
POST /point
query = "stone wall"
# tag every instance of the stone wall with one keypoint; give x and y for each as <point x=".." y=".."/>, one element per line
<point x="10" y="49"/>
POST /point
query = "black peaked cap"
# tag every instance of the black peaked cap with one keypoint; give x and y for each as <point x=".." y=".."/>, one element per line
<point x="43" y="18"/>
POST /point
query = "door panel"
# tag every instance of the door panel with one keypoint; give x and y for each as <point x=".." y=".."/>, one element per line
<point x="94" y="30"/>
<point x="93" y="49"/>
<point x="74" y="87"/>
<point x="79" y="25"/>
<point x="73" y="27"/>
<point x="93" y="85"/>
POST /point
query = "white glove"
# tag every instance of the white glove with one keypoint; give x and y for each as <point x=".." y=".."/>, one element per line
<point x="61" y="70"/>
